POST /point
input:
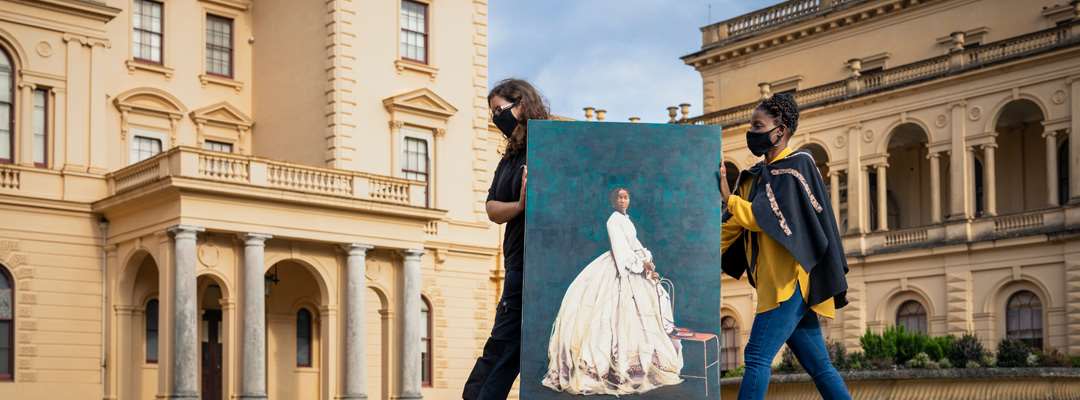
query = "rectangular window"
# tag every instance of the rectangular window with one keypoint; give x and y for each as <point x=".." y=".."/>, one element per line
<point x="152" y="332"/>
<point x="219" y="46"/>
<point x="144" y="147"/>
<point x="425" y="344"/>
<point x="41" y="126"/>
<point x="414" y="38"/>
<point x="217" y="146"/>
<point x="147" y="37"/>
<point x="416" y="159"/>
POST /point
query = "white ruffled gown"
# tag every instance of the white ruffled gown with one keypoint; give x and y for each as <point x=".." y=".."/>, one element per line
<point x="610" y="336"/>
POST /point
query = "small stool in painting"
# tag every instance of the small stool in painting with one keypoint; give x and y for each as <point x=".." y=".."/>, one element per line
<point x="701" y="360"/>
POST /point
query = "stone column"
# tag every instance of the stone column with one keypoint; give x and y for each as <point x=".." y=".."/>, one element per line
<point x="989" y="179"/>
<point x="958" y="164"/>
<point x="935" y="186"/>
<point x="1051" y="168"/>
<point x="855" y="180"/>
<point x="410" y="329"/>
<point x="834" y="194"/>
<point x="355" y="334"/>
<point x="882" y="197"/>
<point x="253" y="367"/>
<point x="23" y="152"/>
<point x="98" y="115"/>
<point x="185" y="353"/>
<point x="1074" y="140"/>
<point x="969" y="189"/>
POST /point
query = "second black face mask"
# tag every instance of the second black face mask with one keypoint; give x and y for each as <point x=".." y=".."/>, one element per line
<point x="505" y="121"/>
<point x="759" y="143"/>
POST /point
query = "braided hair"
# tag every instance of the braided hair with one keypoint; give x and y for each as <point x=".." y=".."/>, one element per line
<point x="784" y="109"/>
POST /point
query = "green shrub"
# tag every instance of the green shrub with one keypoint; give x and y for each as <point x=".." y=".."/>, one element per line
<point x="920" y="360"/>
<point x="1075" y="361"/>
<point x="880" y="352"/>
<point x="1054" y="359"/>
<point x="965" y="350"/>
<point x="972" y="364"/>
<point x="946" y="343"/>
<point x="944" y="363"/>
<point x="788" y="363"/>
<point x="736" y="372"/>
<point x="857" y="361"/>
<point x="1013" y="353"/>
<point x="838" y="354"/>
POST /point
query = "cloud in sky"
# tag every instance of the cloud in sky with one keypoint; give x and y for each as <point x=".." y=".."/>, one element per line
<point x="618" y="55"/>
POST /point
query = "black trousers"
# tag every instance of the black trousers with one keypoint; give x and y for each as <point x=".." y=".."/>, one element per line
<point x="495" y="370"/>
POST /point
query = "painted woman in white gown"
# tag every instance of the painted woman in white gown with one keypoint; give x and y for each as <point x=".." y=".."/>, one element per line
<point x="611" y="335"/>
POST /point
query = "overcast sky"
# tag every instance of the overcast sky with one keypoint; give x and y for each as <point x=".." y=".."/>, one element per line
<point x="619" y="55"/>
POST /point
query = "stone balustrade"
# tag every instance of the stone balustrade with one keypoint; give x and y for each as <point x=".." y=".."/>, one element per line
<point x="188" y="162"/>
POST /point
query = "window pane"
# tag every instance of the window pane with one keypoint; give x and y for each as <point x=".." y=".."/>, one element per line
<point x="6" y="311"/>
<point x="5" y="84"/>
<point x="152" y="331"/>
<point x="303" y="338"/>
<point x="5" y="347"/>
<point x="40" y="114"/>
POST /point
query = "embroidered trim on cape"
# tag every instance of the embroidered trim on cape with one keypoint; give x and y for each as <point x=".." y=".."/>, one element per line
<point x="776" y="210"/>
<point x="806" y="186"/>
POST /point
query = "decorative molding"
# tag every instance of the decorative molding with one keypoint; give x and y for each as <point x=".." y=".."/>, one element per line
<point x="941" y="121"/>
<point x="133" y="65"/>
<point x="1058" y="97"/>
<point x="44" y="49"/>
<point x="93" y="10"/>
<point x="207" y="79"/>
<point x="425" y="69"/>
<point x="974" y="113"/>
<point x="239" y="5"/>
<point x="422" y="101"/>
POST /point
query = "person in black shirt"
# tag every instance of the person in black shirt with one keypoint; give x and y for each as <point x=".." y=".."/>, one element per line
<point x="513" y="103"/>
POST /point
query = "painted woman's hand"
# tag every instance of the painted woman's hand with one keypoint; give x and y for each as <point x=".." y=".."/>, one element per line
<point x="725" y="190"/>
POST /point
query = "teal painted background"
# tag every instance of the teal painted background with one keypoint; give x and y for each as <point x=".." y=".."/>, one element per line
<point x="674" y="203"/>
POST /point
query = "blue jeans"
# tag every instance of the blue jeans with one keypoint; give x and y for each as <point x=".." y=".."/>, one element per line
<point x="792" y="322"/>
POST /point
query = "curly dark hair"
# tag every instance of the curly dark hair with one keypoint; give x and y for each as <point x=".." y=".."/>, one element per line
<point x="784" y="109"/>
<point x="530" y="103"/>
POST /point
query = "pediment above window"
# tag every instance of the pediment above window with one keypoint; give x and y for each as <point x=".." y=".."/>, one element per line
<point x="422" y="101"/>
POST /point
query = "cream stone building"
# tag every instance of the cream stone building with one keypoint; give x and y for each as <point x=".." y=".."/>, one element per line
<point x="949" y="134"/>
<point x="244" y="199"/>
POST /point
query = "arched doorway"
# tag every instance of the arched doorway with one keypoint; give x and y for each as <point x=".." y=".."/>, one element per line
<point x="141" y="329"/>
<point x="1020" y="165"/>
<point x="907" y="182"/>
<point x="294" y="331"/>
<point x="213" y="336"/>
<point x="378" y="345"/>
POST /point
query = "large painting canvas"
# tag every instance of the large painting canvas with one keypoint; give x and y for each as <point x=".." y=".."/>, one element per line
<point x="622" y="276"/>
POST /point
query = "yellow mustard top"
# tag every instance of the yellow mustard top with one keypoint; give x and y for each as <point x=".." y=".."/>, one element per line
<point x="777" y="271"/>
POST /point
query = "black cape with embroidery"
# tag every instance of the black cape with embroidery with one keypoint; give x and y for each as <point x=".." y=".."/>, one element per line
<point x="791" y="205"/>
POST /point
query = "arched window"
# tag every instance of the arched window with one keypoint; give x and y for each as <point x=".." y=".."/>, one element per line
<point x="1023" y="318"/>
<point x="729" y="348"/>
<point x="152" y="331"/>
<point x="912" y="316"/>
<point x="7" y="108"/>
<point x="425" y="341"/>
<point x="303" y="338"/>
<point x="7" y="326"/>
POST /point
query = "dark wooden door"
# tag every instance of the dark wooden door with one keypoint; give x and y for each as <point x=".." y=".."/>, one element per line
<point x="211" y="356"/>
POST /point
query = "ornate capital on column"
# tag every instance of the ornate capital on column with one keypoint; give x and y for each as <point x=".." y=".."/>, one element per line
<point x="395" y="125"/>
<point x="357" y="249"/>
<point x="987" y="146"/>
<point x="933" y="155"/>
<point x="184" y="231"/>
<point x="412" y="254"/>
<point x="959" y="103"/>
<point x="255" y="239"/>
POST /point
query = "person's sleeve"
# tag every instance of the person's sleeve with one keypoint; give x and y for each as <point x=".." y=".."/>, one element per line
<point x="621" y="251"/>
<point x="742" y="214"/>
<point x="729" y="233"/>
<point x="494" y="181"/>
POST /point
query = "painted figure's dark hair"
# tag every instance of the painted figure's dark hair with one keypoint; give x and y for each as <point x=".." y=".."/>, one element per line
<point x="530" y="103"/>
<point x="783" y="107"/>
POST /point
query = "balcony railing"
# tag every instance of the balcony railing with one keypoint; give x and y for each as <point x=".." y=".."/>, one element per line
<point x="770" y="17"/>
<point x="188" y="162"/>
<point x="1025" y="223"/>
<point x="964" y="60"/>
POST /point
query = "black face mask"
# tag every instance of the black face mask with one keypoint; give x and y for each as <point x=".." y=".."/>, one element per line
<point x="759" y="143"/>
<point x="505" y="121"/>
